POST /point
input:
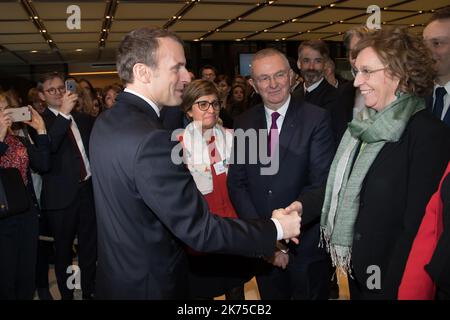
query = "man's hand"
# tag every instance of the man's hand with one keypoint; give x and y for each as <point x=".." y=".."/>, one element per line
<point x="279" y="259"/>
<point x="289" y="219"/>
<point x="5" y="124"/>
<point x="69" y="100"/>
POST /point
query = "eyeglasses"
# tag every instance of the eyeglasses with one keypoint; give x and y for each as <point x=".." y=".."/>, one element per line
<point x="204" y="105"/>
<point x="365" y="73"/>
<point x="52" y="91"/>
<point x="277" y="77"/>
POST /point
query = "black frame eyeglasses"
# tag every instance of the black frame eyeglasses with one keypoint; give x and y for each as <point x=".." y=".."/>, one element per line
<point x="204" y="105"/>
<point x="53" y="91"/>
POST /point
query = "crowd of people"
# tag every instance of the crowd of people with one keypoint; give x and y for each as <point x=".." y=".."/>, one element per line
<point x="364" y="162"/>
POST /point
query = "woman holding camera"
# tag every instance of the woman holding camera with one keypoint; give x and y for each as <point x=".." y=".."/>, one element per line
<point x="19" y="230"/>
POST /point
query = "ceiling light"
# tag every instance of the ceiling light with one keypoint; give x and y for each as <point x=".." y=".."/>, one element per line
<point x="104" y="30"/>
<point x="283" y="21"/>
<point x="195" y="40"/>
<point x="265" y="30"/>
<point x="107" y="17"/>
<point x="174" y="17"/>
<point x="50" y="40"/>
<point x="239" y="18"/>
<point x="35" y="17"/>
<point x="217" y="30"/>
<point x="412" y="25"/>
<point x="283" y="39"/>
<point x="78" y="50"/>
<point x="270" y="2"/>
<point x="319" y="7"/>
<point x="293" y="20"/>
<point x="331" y="22"/>
<point x="179" y="17"/>
<point x="238" y="39"/>
<point x="342" y="21"/>
<point x="420" y="11"/>
<point x="44" y="31"/>
<point x="102" y="40"/>
<point x="202" y="37"/>
<point x="277" y="39"/>
<point x="243" y="38"/>
<point x="332" y="5"/>
<point x="308" y="31"/>
<point x="385" y="8"/>
<point x="33" y="51"/>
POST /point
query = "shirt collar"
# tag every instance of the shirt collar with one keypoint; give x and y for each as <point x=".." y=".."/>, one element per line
<point x="446" y="86"/>
<point x="150" y="102"/>
<point x="282" y="110"/>
<point x="314" y="86"/>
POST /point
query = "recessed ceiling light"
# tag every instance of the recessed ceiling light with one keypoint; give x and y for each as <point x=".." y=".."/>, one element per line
<point x="50" y="40"/>
<point x="34" y="51"/>
<point x="293" y="20"/>
<point x="332" y="5"/>
<point x="104" y="30"/>
<point x="270" y="2"/>
<point x="35" y="17"/>
<point x="107" y="17"/>
<point x="44" y="31"/>
<point x="319" y="7"/>
<point x="78" y="50"/>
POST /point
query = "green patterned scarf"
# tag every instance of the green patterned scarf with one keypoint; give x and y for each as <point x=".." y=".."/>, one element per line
<point x="341" y="204"/>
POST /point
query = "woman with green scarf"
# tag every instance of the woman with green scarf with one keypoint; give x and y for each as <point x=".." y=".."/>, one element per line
<point x="387" y="166"/>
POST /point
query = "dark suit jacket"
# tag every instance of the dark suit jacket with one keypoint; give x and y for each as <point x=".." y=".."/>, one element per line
<point x="429" y="103"/>
<point x="60" y="185"/>
<point x="326" y="97"/>
<point x="393" y="198"/>
<point x="306" y="151"/>
<point x="147" y="206"/>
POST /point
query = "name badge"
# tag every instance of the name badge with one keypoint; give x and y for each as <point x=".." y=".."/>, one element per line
<point x="219" y="167"/>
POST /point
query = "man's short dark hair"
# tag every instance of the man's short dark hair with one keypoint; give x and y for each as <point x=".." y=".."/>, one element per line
<point x="317" y="45"/>
<point x="46" y="77"/>
<point x="208" y="66"/>
<point x="441" y="14"/>
<point x="140" y="46"/>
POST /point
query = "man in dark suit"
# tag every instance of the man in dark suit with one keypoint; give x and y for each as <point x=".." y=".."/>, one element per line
<point x="147" y="202"/>
<point x="437" y="37"/>
<point x="303" y="136"/>
<point x="312" y="56"/>
<point x="67" y="195"/>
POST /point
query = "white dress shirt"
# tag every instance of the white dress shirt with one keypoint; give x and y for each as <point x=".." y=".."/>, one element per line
<point x="79" y="141"/>
<point x="282" y="111"/>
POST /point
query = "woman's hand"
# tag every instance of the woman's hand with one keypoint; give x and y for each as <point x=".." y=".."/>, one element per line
<point x="5" y="124"/>
<point x="36" y="121"/>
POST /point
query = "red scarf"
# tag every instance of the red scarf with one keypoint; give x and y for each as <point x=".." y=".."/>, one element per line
<point x="16" y="156"/>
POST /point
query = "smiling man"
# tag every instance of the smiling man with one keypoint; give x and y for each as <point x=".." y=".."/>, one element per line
<point x="306" y="148"/>
<point x="146" y="204"/>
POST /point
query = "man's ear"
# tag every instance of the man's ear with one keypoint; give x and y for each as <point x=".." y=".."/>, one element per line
<point x="42" y="96"/>
<point x="142" y="73"/>
<point x="299" y="64"/>
<point x="252" y="83"/>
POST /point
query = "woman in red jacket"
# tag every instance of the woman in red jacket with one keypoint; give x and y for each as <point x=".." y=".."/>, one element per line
<point x="427" y="272"/>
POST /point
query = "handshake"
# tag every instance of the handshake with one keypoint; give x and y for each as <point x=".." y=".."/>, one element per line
<point x="289" y="219"/>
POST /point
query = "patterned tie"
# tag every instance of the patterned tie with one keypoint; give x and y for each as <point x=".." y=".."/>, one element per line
<point x="439" y="102"/>
<point x="272" y="139"/>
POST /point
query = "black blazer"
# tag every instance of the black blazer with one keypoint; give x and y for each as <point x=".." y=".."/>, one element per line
<point x="326" y="97"/>
<point x="393" y="198"/>
<point x="60" y="185"/>
<point x="306" y="151"/>
<point x="147" y="205"/>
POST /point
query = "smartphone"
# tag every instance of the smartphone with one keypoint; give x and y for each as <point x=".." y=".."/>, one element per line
<point x="71" y="85"/>
<point x="20" y="114"/>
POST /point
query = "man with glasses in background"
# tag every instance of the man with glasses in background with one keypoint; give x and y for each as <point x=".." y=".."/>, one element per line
<point x="305" y="149"/>
<point x="67" y="195"/>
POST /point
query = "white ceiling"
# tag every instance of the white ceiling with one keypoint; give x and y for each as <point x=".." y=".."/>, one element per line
<point x="22" y="41"/>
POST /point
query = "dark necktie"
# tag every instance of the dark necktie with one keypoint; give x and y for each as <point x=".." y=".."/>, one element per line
<point x="83" y="172"/>
<point x="439" y="102"/>
<point x="272" y="139"/>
